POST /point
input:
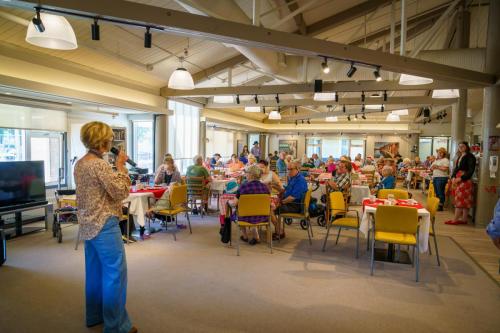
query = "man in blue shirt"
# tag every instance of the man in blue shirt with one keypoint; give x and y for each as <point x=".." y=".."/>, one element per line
<point x="293" y="194"/>
<point x="493" y="228"/>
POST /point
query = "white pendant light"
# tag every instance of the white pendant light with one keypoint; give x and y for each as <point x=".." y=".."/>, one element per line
<point x="58" y="33"/>
<point x="181" y="79"/>
<point x="274" y="115"/>
<point x="445" y="93"/>
<point x="331" y="119"/>
<point x="402" y="112"/>
<point x="373" y="106"/>
<point x="409" y="80"/>
<point x="224" y="99"/>
<point x="252" y="108"/>
<point x="324" y="96"/>
<point x="392" y="117"/>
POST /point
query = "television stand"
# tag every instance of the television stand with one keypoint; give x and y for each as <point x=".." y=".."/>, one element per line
<point x="18" y="219"/>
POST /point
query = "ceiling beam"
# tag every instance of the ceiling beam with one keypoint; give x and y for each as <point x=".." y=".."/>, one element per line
<point x="214" y="70"/>
<point x="299" y="18"/>
<point x="345" y="16"/>
<point x="297" y="88"/>
<point x="196" y="26"/>
<point x="402" y="101"/>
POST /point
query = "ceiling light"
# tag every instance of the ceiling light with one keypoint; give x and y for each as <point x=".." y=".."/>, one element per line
<point x="331" y="119"/>
<point x="296" y="122"/>
<point x="385" y="95"/>
<point x="295" y="108"/>
<point x="274" y="115"/>
<point x="376" y="73"/>
<point x="256" y="99"/>
<point x="343" y="108"/>
<point x="277" y="98"/>
<point x="409" y="80"/>
<point x="252" y="108"/>
<point x="181" y="79"/>
<point x="351" y="70"/>
<point x="224" y="99"/>
<point x="373" y="106"/>
<point x="402" y="112"/>
<point x="392" y="117"/>
<point x="55" y="32"/>
<point x="355" y="117"/>
<point x="264" y="110"/>
<point x="445" y="93"/>
<point x="349" y="118"/>
<point x="363" y="116"/>
<point x="308" y="121"/>
<point x="362" y="96"/>
<point x="324" y="96"/>
<point x="94" y="29"/>
<point x="147" y="38"/>
<point x="324" y="66"/>
<point x="237" y="99"/>
<point x="382" y="108"/>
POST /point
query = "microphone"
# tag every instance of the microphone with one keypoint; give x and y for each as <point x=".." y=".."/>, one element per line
<point x="116" y="151"/>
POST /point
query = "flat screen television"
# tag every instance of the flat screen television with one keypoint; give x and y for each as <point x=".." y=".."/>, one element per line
<point x="22" y="184"/>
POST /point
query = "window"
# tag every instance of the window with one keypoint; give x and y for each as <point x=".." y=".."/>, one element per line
<point x="30" y="145"/>
<point x="337" y="147"/>
<point x="221" y="142"/>
<point x="143" y="143"/>
<point x="428" y="145"/>
<point x="251" y="139"/>
<point x="183" y="134"/>
<point x="313" y="146"/>
<point x="357" y="147"/>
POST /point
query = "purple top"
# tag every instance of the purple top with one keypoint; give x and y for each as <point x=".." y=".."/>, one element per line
<point x="253" y="187"/>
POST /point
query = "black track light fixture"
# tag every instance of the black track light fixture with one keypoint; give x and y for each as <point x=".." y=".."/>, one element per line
<point x="349" y="118"/>
<point x="302" y="121"/>
<point x="264" y="109"/>
<point x="296" y="109"/>
<point x="355" y="116"/>
<point x="277" y="98"/>
<point x="324" y="66"/>
<point x="237" y="99"/>
<point x="95" y="30"/>
<point x="296" y="122"/>
<point x="309" y="121"/>
<point x="147" y="38"/>
<point x="279" y="109"/>
<point x="376" y="73"/>
<point x="336" y="96"/>
<point x="351" y="70"/>
<point x="363" y="116"/>
<point x="363" y="96"/>
<point x="37" y="21"/>
<point x="363" y="108"/>
<point x="382" y="108"/>
<point x="385" y="95"/>
<point x="343" y="108"/>
<point x="256" y="99"/>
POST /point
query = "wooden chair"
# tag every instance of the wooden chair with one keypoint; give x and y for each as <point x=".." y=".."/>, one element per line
<point x="370" y="177"/>
<point x="197" y="191"/>
<point x="272" y="164"/>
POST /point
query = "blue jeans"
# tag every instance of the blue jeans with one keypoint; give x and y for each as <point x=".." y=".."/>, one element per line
<point x="439" y="188"/>
<point x="106" y="279"/>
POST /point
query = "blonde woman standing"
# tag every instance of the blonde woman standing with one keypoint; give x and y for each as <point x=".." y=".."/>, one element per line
<point x="99" y="194"/>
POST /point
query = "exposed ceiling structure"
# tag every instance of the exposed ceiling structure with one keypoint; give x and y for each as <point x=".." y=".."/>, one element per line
<point x="232" y="48"/>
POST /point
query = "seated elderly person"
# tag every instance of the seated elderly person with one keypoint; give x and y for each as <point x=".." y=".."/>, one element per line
<point x="330" y="165"/>
<point x="198" y="170"/>
<point x="388" y="181"/>
<point x="268" y="177"/>
<point x="252" y="160"/>
<point x="292" y="195"/>
<point x="253" y="185"/>
<point x="368" y="167"/>
<point x="216" y="161"/>
<point x="342" y="180"/>
<point x="167" y="173"/>
<point x="235" y="164"/>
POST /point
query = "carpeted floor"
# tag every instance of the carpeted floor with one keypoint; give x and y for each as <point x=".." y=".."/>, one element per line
<point x="198" y="285"/>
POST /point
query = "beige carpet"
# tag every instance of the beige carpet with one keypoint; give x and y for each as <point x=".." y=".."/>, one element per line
<point x="198" y="285"/>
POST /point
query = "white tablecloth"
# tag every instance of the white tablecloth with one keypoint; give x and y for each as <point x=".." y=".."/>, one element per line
<point x="358" y="192"/>
<point x="425" y="221"/>
<point x="138" y="206"/>
<point x="218" y="185"/>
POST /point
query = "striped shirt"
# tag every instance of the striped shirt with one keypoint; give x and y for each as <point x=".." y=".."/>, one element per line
<point x="343" y="181"/>
<point x="253" y="187"/>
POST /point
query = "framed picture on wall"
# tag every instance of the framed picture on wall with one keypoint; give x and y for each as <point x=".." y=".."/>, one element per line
<point x="288" y="146"/>
<point x="386" y="149"/>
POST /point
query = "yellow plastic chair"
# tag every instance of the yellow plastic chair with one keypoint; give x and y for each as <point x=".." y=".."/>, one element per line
<point x="430" y="192"/>
<point x="254" y="205"/>
<point x="336" y="206"/>
<point x="396" y="225"/>
<point x="398" y="194"/>
<point x="302" y="216"/>
<point x="179" y="204"/>
<point x="432" y="206"/>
